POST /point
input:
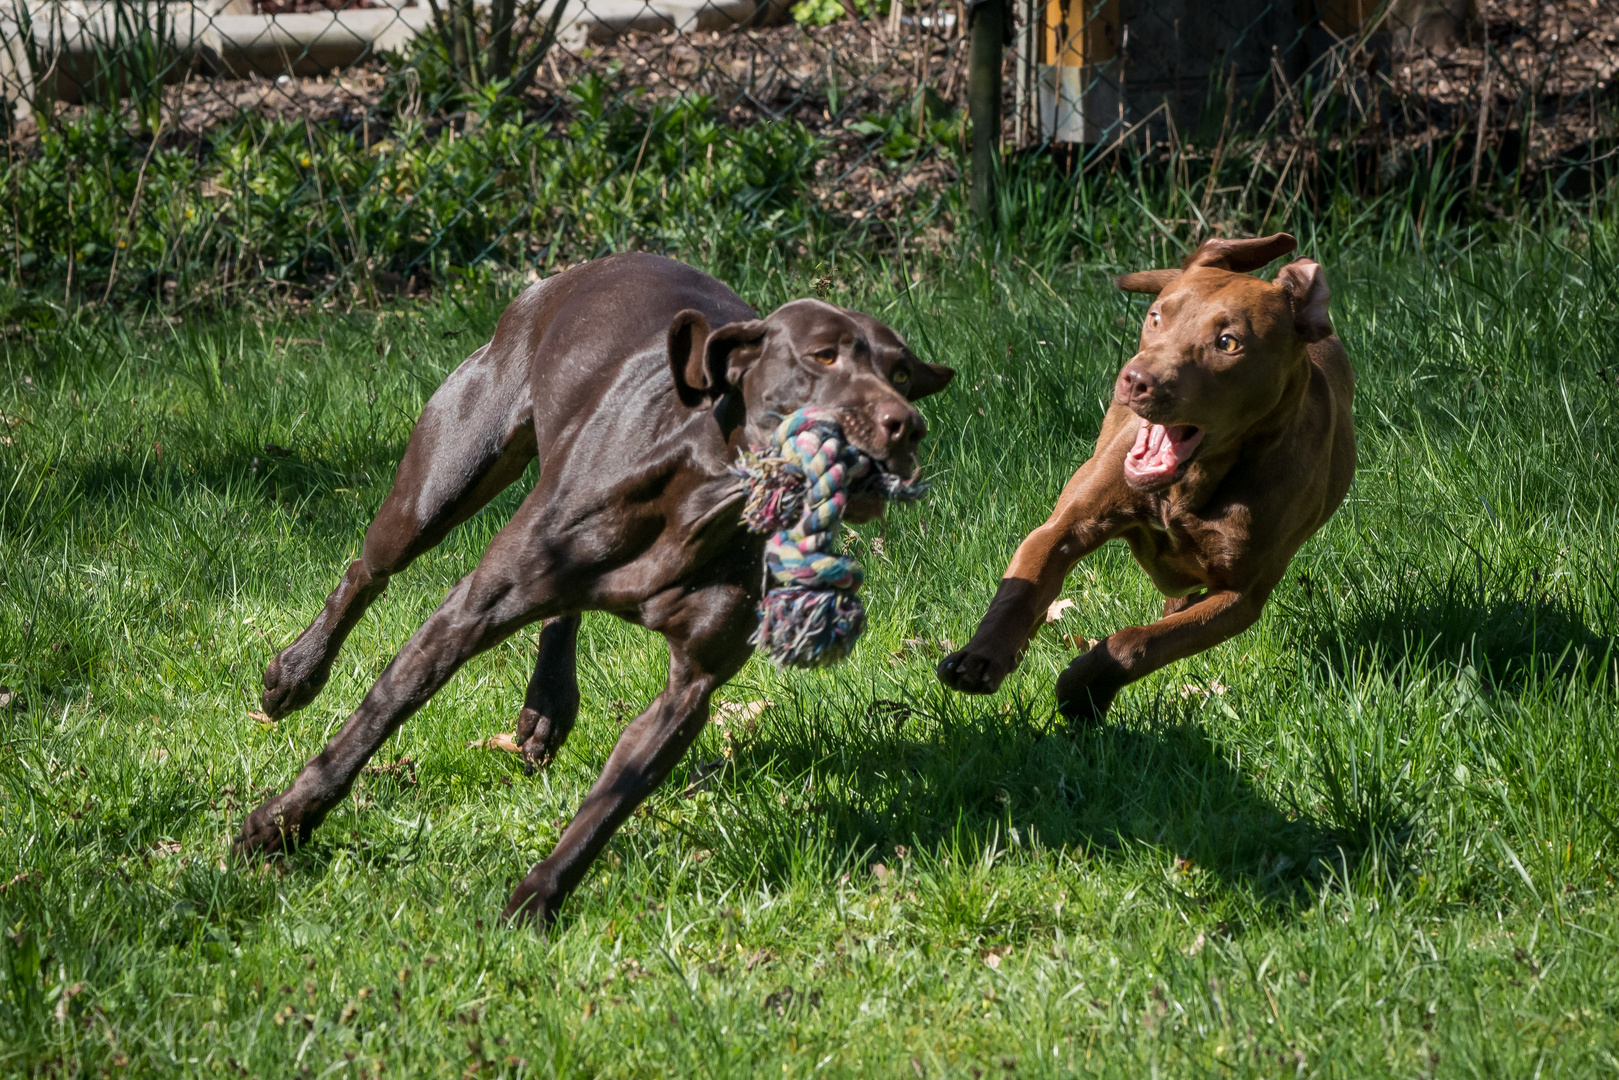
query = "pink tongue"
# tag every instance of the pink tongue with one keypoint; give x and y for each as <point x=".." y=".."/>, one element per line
<point x="1160" y="450"/>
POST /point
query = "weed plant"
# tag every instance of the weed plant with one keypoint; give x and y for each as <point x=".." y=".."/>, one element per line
<point x="98" y="211"/>
<point x="447" y="177"/>
<point x="1372" y="836"/>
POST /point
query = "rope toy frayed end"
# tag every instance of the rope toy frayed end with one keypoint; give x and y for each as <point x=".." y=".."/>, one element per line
<point x="797" y="489"/>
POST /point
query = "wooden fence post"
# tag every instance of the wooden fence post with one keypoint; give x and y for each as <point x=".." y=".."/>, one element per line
<point x="984" y="102"/>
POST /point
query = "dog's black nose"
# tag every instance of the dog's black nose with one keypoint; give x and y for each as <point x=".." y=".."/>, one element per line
<point x="1137" y="385"/>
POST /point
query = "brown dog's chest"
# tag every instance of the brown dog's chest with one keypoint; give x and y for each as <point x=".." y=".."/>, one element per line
<point x="1182" y="553"/>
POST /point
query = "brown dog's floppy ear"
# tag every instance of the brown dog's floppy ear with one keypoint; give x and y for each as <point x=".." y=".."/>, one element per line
<point x="1241" y="256"/>
<point x="705" y="363"/>
<point x="1147" y="281"/>
<point x="928" y="379"/>
<point x="1306" y="286"/>
<point x="688" y="339"/>
<point x="708" y="365"/>
<point x="730" y="351"/>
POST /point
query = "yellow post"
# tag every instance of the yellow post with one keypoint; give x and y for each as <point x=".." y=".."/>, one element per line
<point x="1079" y="41"/>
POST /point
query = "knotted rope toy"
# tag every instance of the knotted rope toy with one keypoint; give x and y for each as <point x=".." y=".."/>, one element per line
<point x="797" y="489"/>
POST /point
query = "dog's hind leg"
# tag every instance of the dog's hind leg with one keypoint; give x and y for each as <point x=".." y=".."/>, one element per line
<point x="474" y="437"/>
<point x="552" y="702"/>
<point x="1087" y="687"/>
<point x="514" y="584"/>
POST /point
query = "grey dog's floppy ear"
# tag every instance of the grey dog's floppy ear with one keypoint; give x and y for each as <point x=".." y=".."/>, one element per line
<point x="708" y="365"/>
<point x="688" y="334"/>
<point x="928" y="379"/>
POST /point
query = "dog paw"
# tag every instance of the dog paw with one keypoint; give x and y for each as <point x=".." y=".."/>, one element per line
<point x="290" y="683"/>
<point x="269" y="830"/>
<point x="973" y="670"/>
<point x="532" y="904"/>
<point x="1085" y="692"/>
<point x="540" y="738"/>
<point x="1084" y="705"/>
<point x="536" y="756"/>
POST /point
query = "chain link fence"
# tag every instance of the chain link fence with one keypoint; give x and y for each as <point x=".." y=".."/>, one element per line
<point x="191" y="149"/>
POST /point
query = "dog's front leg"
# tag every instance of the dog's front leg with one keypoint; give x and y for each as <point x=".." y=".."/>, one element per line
<point x="1086" y="688"/>
<point x="707" y="645"/>
<point x="1079" y="525"/>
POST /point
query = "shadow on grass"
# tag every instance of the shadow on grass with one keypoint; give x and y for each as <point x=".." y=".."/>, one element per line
<point x="294" y="477"/>
<point x="333" y="497"/>
<point x="1157" y="787"/>
<point x="1513" y="640"/>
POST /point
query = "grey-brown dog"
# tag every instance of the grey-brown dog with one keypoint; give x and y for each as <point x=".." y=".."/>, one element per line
<point x="634" y="379"/>
<point x="1228" y="444"/>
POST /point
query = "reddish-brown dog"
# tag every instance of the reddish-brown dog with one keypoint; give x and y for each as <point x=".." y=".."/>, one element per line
<point x="1229" y="442"/>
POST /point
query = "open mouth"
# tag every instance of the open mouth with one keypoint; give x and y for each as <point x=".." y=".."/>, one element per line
<point x="1161" y="453"/>
<point x="885" y="482"/>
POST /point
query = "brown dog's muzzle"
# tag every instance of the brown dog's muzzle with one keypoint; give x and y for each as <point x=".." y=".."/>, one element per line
<point x="1162" y="448"/>
<point x="1141" y="391"/>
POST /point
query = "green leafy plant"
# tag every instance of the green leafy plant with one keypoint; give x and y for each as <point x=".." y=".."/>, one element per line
<point x="310" y="204"/>
<point x="927" y="123"/>
<point x="827" y="12"/>
<point x="500" y="53"/>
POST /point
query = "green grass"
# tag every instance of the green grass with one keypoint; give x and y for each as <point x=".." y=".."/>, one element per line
<point x="1372" y="836"/>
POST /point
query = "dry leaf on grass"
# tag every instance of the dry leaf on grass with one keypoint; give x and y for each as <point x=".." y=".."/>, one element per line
<point x="403" y="770"/>
<point x="264" y="718"/>
<point x="906" y="647"/>
<point x="26" y="875"/>
<point x="729" y="712"/>
<point x="993" y="960"/>
<point x="10" y="699"/>
<point x="920" y="645"/>
<point x="886" y="710"/>
<point x="1058" y="609"/>
<point x="505" y="740"/>
<point x="737" y="721"/>
<point x="1215" y="688"/>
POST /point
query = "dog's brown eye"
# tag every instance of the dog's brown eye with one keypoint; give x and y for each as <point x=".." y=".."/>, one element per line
<point x="1152" y="319"/>
<point x="827" y="356"/>
<point x="1227" y="343"/>
<point x="900" y="377"/>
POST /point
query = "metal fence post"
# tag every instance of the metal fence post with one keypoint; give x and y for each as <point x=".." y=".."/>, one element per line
<point x="984" y="102"/>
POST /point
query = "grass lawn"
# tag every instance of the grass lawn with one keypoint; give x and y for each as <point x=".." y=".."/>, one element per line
<point x="1372" y="836"/>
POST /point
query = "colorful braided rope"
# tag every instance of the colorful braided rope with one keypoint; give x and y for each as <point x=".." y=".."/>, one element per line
<point x="797" y="490"/>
